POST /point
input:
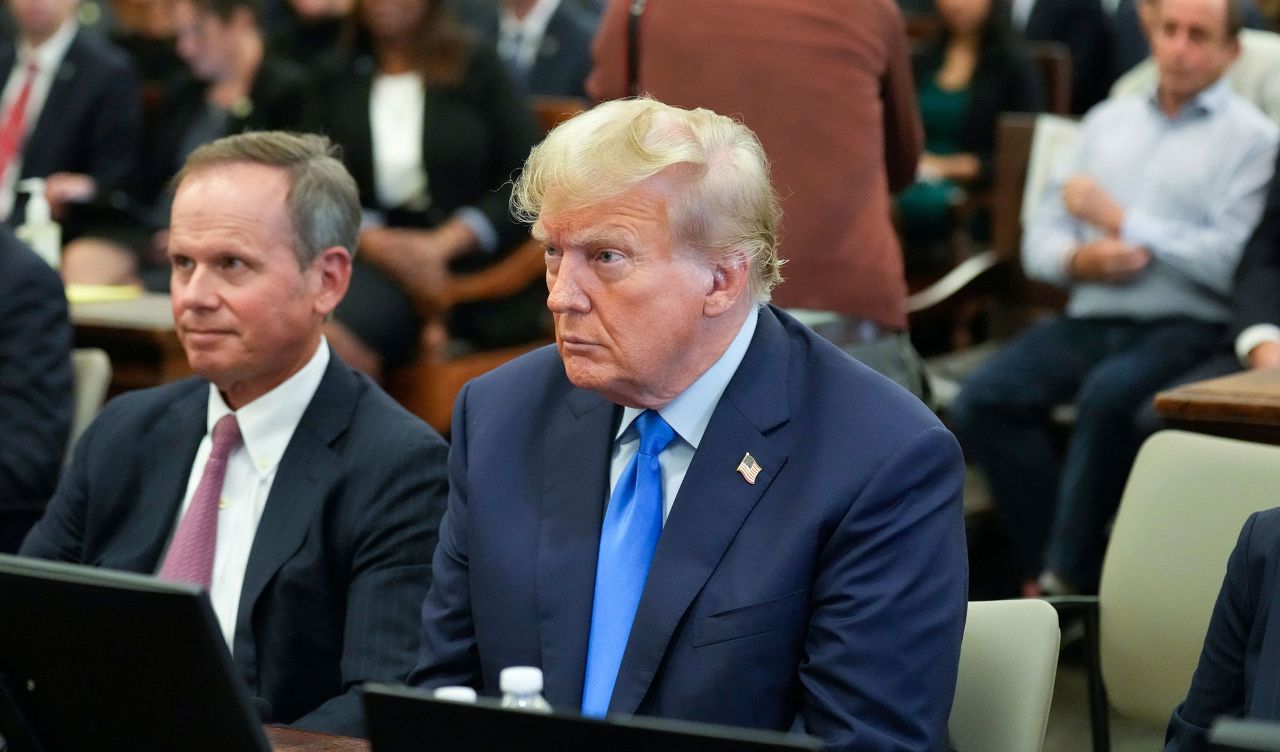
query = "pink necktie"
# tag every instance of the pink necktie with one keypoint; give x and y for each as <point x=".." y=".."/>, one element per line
<point x="190" y="557"/>
<point x="14" y="128"/>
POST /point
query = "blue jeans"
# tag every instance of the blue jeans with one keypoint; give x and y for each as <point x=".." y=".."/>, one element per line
<point x="1055" y="505"/>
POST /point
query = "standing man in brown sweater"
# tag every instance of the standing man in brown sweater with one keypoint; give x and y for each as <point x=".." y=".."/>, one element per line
<point x="829" y="92"/>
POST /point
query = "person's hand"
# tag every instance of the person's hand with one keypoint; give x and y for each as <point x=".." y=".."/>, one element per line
<point x="1108" y="260"/>
<point x="1265" y="355"/>
<point x="64" y="188"/>
<point x="1088" y="202"/>
<point x="417" y="259"/>
<point x="961" y="168"/>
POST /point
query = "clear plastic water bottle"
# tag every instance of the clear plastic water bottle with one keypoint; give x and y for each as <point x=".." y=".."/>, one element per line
<point x="522" y="689"/>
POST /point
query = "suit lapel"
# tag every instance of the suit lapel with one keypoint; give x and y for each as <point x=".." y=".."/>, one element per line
<point x="576" y="482"/>
<point x="142" y="538"/>
<point x="48" y="129"/>
<point x="307" y="472"/>
<point x="713" y="502"/>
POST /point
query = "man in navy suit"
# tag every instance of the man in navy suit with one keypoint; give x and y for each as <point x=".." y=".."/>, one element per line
<point x="291" y="486"/>
<point x="794" y="545"/>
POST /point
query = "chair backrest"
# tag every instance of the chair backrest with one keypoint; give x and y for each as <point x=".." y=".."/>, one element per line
<point x="1053" y="59"/>
<point x="1187" y="497"/>
<point x="552" y="111"/>
<point x="93" y="376"/>
<point x="1008" y="662"/>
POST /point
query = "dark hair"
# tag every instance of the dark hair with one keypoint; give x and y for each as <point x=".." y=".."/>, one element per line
<point x="224" y="9"/>
<point x="443" y="49"/>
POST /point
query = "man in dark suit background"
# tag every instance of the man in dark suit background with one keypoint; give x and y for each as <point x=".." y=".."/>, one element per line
<point x="288" y="484"/>
<point x="546" y="44"/>
<point x="782" y="534"/>
<point x="36" y="384"/>
<point x="79" y="122"/>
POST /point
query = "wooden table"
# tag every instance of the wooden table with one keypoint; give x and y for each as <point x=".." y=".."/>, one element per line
<point x="1241" y="406"/>
<point x="295" y="740"/>
<point x="139" y="337"/>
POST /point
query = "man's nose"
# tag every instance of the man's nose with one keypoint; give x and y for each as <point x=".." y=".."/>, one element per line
<point x="197" y="291"/>
<point x="564" y="293"/>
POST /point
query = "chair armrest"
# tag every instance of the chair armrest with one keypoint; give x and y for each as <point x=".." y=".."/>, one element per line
<point x="507" y="277"/>
<point x="961" y="276"/>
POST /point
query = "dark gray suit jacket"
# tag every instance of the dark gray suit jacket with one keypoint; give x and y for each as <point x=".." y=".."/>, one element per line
<point x="342" y="555"/>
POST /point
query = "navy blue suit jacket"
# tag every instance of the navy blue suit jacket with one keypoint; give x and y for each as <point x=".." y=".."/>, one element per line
<point x="833" y="587"/>
<point x="1239" y="670"/>
<point x="36" y="383"/>
<point x="341" y="558"/>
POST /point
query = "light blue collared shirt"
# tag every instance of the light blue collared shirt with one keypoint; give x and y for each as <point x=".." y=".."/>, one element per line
<point x="1192" y="187"/>
<point x="688" y="414"/>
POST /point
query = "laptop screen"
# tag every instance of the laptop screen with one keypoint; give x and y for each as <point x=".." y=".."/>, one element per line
<point x="400" y="719"/>
<point x="98" y="660"/>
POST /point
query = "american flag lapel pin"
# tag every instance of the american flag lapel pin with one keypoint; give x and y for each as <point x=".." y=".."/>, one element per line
<point x="749" y="468"/>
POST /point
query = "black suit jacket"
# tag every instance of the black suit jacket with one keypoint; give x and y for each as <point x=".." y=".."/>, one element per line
<point x="341" y="558"/>
<point x="91" y="120"/>
<point x="36" y="382"/>
<point x="1237" y="674"/>
<point x="1083" y="27"/>
<point x="563" y="61"/>
<point x="475" y="135"/>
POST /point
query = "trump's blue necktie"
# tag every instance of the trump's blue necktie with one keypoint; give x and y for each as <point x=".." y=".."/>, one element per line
<point x="632" y="524"/>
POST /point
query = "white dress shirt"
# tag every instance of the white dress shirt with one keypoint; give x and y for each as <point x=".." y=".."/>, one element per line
<point x="519" y="39"/>
<point x="48" y="58"/>
<point x="688" y="415"/>
<point x="1253" y="336"/>
<point x="266" y="424"/>
<point x="396" y="106"/>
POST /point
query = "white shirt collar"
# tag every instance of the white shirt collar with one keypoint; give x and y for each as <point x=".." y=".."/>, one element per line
<point x="267" y="423"/>
<point x="48" y="56"/>
<point x="534" y="23"/>
<point x="690" y="412"/>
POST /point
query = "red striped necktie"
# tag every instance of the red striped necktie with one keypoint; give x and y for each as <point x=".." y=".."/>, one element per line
<point x="14" y="130"/>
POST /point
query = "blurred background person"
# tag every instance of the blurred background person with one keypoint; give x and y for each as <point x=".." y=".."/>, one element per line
<point x="70" y="111"/>
<point x="231" y="84"/>
<point x="545" y="44"/>
<point x="432" y="129"/>
<point x="975" y="69"/>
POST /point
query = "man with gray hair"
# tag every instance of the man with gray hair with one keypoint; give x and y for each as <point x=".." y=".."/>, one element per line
<point x="692" y="506"/>
<point x="290" y="486"/>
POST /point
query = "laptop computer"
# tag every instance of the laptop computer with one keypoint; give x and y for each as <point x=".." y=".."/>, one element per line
<point x="401" y="719"/>
<point x="92" y="659"/>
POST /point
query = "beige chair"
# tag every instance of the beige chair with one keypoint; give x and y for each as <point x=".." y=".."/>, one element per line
<point x="93" y="376"/>
<point x="1187" y="497"/>
<point x="1008" y="662"/>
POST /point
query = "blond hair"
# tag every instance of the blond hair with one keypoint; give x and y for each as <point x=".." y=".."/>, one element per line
<point x="726" y="206"/>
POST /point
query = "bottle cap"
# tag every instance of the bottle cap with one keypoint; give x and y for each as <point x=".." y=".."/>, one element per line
<point x="37" y="211"/>
<point x="520" y="680"/>
<point x="455" y="694"/>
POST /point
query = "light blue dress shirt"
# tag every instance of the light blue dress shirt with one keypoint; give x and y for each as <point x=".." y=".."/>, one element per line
<point x="1192" y="188"/>
<point x="689" y="413"/>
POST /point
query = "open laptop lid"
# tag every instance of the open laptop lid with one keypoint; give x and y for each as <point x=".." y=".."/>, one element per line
<point x="400" y="719"/>
<point x="92" y="659"/>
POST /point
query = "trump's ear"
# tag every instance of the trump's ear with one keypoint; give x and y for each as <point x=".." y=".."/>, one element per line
<point x="333" y="270"/>
<point x="730" y="280"/>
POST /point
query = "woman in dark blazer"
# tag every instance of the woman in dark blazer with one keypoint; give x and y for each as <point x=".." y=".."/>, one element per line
<point x="432" y="131"/>
<point x="975" y="70"/>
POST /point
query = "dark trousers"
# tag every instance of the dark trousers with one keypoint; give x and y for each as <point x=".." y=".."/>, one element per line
<point x="1055" y="505"/>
